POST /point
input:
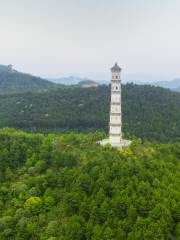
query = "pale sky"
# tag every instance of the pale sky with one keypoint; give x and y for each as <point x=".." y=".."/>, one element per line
<point x="85" y="37"/>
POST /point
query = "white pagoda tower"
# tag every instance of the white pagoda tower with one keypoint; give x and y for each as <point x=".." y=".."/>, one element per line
<point x="115" y="133"/>
<point x="115" y="125"/>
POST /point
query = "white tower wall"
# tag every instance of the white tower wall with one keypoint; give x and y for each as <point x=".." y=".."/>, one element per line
<point x="115" y="132"/>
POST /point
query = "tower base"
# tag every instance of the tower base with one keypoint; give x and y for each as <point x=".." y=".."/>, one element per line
<point x="123" y="143"/>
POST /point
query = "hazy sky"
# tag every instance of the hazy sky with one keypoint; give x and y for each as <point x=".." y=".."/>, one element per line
<point x="85" y="37"/>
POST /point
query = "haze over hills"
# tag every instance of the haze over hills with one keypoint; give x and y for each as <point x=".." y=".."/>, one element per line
<point x="67" y="80"/>
<point x="172" y="84"/>
<point x="72" y="80"/>
<point x="14" y="81"/>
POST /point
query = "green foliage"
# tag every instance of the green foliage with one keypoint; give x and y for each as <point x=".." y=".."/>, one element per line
<point x="151" y="113"/>
<point x="33" y="205"/>
<point x="67" y="187"/>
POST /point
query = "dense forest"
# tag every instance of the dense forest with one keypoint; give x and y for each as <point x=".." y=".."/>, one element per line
<point x="149" y="112"/>
<point x="67" y="187"/>
<point x="14" y="81"/>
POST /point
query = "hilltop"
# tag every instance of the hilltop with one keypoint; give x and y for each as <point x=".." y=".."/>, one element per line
<point x="67" y="187"/>
<point x="14" y="81"/>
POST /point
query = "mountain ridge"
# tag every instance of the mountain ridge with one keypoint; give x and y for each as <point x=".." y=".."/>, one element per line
<point x="12" y="80"/>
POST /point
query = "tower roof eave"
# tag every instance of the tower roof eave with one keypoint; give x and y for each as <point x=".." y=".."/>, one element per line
<point x="116" y="68"/>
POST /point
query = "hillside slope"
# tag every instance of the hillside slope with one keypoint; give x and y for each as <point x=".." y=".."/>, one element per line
<point x="148" y="112"/>
<point x="14" y="81"/>
<point x="67" y="187"/>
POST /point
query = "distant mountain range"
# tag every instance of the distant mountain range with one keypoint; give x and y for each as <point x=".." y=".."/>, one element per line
<point x="76" y="80"/>
<point x="173" y="84"/>
<point x="14" y="81"/>
<point x="67" y="80"/>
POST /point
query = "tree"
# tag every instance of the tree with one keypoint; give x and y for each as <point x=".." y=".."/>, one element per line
<point x="33" y="205"/>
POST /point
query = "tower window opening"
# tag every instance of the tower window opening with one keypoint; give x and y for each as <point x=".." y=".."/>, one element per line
<point x="116" y="77"/>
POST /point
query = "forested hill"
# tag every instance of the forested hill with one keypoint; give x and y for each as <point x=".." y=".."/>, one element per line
<point x="14" y="81"/>
<point x="151" y="113"/>
<point x="69" y="188"/>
